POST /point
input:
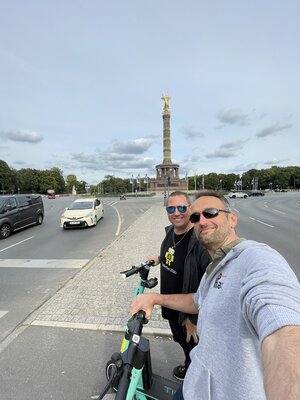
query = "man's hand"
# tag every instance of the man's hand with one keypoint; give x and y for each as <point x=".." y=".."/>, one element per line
<point x="191" y="330"/>
<point x="154" y="258"/>
<point x="143" y="302"/>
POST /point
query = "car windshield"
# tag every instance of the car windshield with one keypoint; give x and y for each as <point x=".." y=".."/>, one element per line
<point x="82" y="205"/>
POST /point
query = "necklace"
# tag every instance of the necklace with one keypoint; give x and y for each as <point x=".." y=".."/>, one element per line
<point x="171" y="251"/>
<point x="173" y="237"/>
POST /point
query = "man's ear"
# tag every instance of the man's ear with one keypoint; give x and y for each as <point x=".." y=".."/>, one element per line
<point x="233" y="220"/>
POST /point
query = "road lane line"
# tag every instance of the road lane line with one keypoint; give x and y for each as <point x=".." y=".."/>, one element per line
<point x="261" y="222"/>
<point x="16" y="244"/>
<point x="31" y="263"/>
<point x="119" y="220"/>
<point x="281" y="212"/>
<point x="2" y="313"/>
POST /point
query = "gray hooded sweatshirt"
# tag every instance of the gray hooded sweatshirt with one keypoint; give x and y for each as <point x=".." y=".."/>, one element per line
<point x="249" y="295"/>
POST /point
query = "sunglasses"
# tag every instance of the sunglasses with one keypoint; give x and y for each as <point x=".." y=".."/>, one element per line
<point x="172" y="209"/>
<point x="208" y="213"/>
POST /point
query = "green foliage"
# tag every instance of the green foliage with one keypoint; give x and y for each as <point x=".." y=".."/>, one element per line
<point x="28" y="180"/>
<point x="8" y="178"/>
<point x="71" y="182"/>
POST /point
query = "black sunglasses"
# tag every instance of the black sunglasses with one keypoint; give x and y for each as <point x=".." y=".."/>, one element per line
<point x="172" y="209"/>
<point x="208" y="213"/>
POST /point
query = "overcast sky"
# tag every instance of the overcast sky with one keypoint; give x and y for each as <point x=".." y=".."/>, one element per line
<point x="81" y="85"/>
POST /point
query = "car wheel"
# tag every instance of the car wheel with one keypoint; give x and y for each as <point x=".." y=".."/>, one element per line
<point x="245" y="196"/>
<point x="5" y="231"/>
<point x="233" y="196"/>
<point x="39" y="219"/>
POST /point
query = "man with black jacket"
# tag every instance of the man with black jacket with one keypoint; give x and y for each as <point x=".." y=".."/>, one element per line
<point x="183" y="261"/>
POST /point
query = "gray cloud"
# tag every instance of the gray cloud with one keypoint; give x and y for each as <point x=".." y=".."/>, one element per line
<point x="22" y="136"/>
<point x="275" y="161"/>
<point x="136" y="146"/>
<point x="114" y="162"/>
<point x="273" y="130"/>
<point x="233" y="116"/>
<point x="227" y="150"/>
<point x="191" y="133"/>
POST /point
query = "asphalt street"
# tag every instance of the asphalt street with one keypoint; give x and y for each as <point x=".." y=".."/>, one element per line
<point x="60" y="350"/>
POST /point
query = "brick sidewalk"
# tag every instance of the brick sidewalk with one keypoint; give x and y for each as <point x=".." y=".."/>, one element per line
<point x="98" y="297"/>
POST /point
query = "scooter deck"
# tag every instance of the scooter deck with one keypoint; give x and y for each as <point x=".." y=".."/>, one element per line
<point x="161" y="388"/>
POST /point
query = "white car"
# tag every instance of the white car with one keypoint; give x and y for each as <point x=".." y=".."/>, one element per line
<point x="237" y="195"/>
<point x="82" y="213"/>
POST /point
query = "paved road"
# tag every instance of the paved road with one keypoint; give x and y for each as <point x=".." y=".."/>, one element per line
<point x="71" y="333"/>
<point x="38" y="261"/>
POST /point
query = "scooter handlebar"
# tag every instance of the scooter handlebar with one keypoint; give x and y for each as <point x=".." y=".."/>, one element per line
<point x="136" y="269"/>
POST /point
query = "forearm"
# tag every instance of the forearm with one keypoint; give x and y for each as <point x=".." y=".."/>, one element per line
<point x="178" y="302"/>
<point x="281" y="360"/>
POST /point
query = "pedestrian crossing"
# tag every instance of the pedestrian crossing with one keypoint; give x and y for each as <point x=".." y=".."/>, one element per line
<point x="2" y="313"/>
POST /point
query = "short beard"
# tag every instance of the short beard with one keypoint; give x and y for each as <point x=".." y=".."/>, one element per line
<point x="214" y="241"/>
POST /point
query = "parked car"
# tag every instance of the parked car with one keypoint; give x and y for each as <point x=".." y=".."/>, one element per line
<point x="82" y="213"/>
<point x="51" y="196"/>
<point x="237" y="195"/>
<point x="19" y="211"/>
<point x="256" y="193"/>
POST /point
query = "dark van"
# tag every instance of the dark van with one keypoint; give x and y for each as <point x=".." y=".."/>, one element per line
<point x="19" y="211"/>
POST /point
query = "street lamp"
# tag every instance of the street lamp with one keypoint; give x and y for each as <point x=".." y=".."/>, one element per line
<point x="195" y="180"/>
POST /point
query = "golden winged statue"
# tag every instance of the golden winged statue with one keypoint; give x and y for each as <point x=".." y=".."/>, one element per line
<point x="166" y="100"/>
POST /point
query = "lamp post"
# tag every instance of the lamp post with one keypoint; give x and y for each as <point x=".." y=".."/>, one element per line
<point x="195" y="180"/>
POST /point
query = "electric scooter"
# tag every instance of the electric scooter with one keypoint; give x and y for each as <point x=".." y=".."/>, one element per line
<point x="129" y="371"/>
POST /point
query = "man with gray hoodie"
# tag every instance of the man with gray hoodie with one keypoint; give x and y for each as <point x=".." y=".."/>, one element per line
<point x="249" y="314"/>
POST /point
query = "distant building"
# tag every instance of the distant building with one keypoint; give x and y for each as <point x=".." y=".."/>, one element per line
<point x="167" y="173"/>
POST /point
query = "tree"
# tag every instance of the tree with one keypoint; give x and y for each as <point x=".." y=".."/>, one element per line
<point x="71" y="182"/>
<point x="8" y="178"/>
<point x="212" y="181"/>
<point x="59" y="182"/>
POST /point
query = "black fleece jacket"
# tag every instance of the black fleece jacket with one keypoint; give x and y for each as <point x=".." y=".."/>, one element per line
<point x="196" y="261"/>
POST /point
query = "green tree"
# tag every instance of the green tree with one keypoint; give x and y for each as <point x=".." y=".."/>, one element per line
<point x="212" y="181"/>
<point x="71" y="182"/>
<point x="8" y="178"/>
<point x="59" y="182"/>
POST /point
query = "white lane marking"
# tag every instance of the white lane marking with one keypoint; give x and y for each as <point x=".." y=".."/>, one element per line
<point x="16" y="244"/>
<point x="30" y="263"/>
<point x="261" y="222"/>
<point x="281" y="212"/>
<point x="119" y="220"/>
<point x="2" y="313"/>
